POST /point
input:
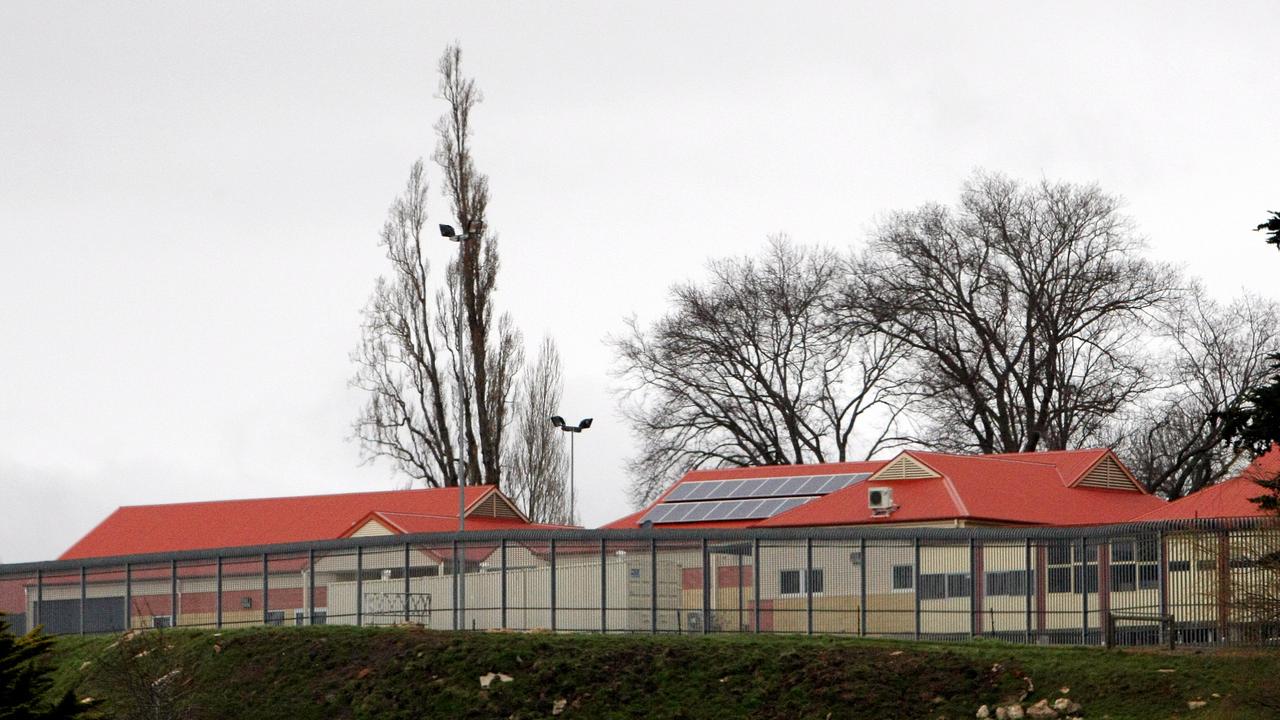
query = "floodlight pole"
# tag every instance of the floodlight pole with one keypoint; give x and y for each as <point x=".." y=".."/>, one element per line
<point x="558" y="422"/>
<point x="447" y="232"/>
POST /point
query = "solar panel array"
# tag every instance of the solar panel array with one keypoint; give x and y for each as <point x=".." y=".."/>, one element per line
<point x="711" y="500"/>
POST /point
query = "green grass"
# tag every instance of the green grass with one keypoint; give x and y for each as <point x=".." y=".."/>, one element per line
<point x="343" y="672"/>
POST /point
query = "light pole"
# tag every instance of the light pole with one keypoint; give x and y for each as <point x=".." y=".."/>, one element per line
<point x="447" y="231"/>
<point x="573" y="430"/>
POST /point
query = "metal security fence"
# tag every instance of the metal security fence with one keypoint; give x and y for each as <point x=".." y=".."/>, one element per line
<point x="1197" y="582"/>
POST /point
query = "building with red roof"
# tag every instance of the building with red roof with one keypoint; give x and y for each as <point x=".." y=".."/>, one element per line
<point x="1062" y="488"/>
<point x="1229" y="499"/>
<point x="256" y="588"/>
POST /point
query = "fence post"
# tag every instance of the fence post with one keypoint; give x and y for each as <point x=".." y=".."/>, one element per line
<point x="461" y="560"/>
<point x="128" y="596"/>
<point x="604" y="595"/>
<point x="974" y="611"/>
<point x="706" y="588"/>
<point x="173" y="593"/>
<point x="1162" y="581"/>
<point x="653" y="586"/>
<point x="1084" y="591"/>
<point x="742" y="625"/>
<point x="311" y="586"/>
<point x="359" y="585"/>
<point x="1029" y="583"/>
<point x="1109" y="631"/>
<point x="457" y="595"/>
<point x="406" y="582"/>
<point x="862" y="587"/>
<point x="915" y="585"/>
<point x="217" y="601"/>
<point x="502" y="582"/>
<point x="266" y="588"/>
<point x="84" y="595"/>
<point x="755" y="581"/>
<point x="39" y="597"/>
<point x="808" y="585"/>
<point x="553" y="584"/>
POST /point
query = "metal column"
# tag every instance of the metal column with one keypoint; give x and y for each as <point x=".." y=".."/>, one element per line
<point x="502" y="581"/>
<point x="1084" y="591"/>
<point x="173" y="593"/>
<point x="457" y="589"/>
<point x="653" y="586"/>
<point x="975" y="611"/>
<point x="706" y="588"/>
<point x="128" y="596"/>
<point x="808" y="585"/>
<point x="915" y="584"/>
<point x="406" y="582"/>
<point x="266" y="588"/>
<point x="311" y="587"/>
<point x="553" y="584"/>
<point x="862" y="587"/>
<point x="84" y="595"/>
<point x="1029" y="585"/>
<point x="217" y="601"/>
<point x="755" y="582"/>
<point x="604" y="597"/>
<point x="359" y="585"/>
<point x="39" y="597"/>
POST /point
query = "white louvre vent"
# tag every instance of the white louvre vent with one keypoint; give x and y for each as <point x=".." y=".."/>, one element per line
<point x="904" y="467"/>
<point x="1107" y="474"/>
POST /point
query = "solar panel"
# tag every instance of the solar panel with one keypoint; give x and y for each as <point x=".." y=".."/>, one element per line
<point x="713" y="510"/>
<point x="754" y="488"/>
<point x="681" y="491"/>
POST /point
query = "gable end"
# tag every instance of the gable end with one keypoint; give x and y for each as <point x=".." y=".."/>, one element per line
<point x="904" y="467"/>
<point x="495" y="506"/>
<point x="1108" y="474"/>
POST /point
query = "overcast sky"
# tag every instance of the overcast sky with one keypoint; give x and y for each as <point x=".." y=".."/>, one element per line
<point x="190" y="194"/>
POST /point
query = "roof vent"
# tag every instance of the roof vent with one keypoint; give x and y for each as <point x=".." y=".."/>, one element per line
<point x="880" y="501"/>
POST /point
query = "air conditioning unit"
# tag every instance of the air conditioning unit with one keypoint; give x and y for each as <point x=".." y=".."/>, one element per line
<point x="880" y="500"/>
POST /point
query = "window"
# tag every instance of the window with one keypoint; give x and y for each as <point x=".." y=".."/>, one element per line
<point x="903" y="578"/>
<point x="275" y="617"/>
<point x="789" y="581"/>
<point x="1179" y="565"/>
<point x="300" y="617"/>
<point x="935" y="586"/>
<point x="1072" y="568"/>
<point x="1010" y="582"/>
<point x="161" y="621"/>
<point x="1133" y="565"/>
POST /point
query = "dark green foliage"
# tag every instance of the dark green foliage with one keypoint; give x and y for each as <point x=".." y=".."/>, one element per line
<point x="25" y="682"/>
<point x="1255" y="426"/>
<point x="1272" y="226"/>
<point x="347" y="673"/>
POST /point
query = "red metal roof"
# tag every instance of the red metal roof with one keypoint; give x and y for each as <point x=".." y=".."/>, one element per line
<point x="1011" y="489"/>
<point x="1226" y="499"/>
<point x="229" y="523"/>
<point x="743" y="473"/>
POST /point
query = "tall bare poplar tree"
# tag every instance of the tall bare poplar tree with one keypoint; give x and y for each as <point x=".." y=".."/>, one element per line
<point x="438" y="363"/>
<point x="538" y="463"/>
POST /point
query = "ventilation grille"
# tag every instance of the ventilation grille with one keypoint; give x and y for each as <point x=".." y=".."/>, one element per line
<point x="494" y="507"/>
<point x="373" y="528"/>
<point x="1108" y="475"/>
<point x="904" y="468"/>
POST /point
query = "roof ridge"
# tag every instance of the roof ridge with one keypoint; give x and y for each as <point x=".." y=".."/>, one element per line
<point x="295" y="497"/>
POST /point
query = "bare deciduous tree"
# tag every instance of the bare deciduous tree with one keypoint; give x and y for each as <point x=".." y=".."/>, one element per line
<point x="752" y="368"/>
<point x="435" y="362"/>
<point x="1176" y="444"/>
<point x="401" y="361"/>
<point x="538" y="465"/>
<point x="1023" y="309"/>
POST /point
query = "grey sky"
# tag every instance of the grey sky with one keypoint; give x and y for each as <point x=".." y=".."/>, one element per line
<point x="190" y="193"/>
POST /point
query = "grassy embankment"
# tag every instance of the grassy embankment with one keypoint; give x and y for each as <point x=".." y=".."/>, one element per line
<point x="341" y="672"/>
